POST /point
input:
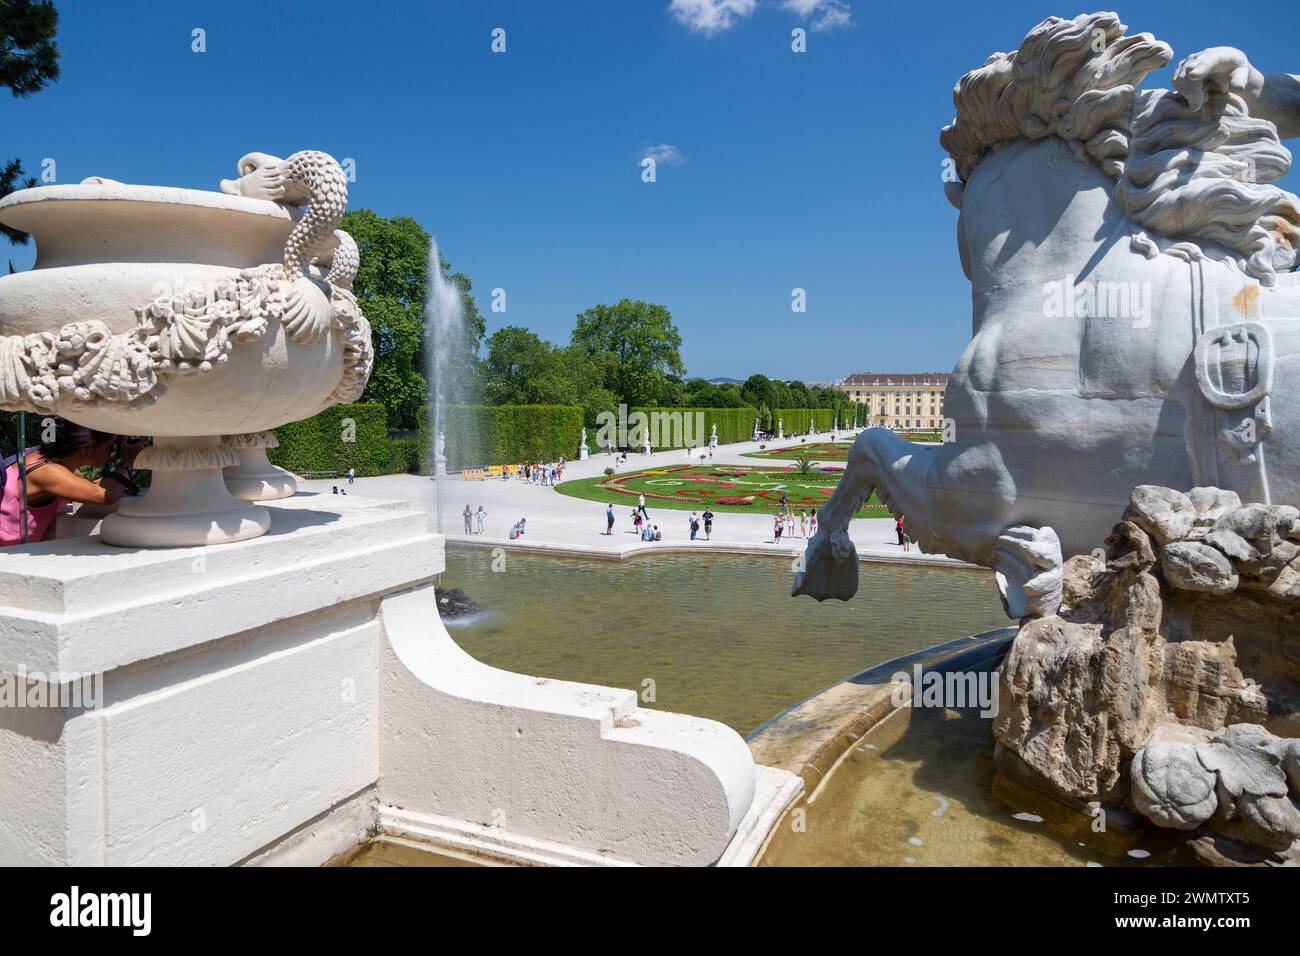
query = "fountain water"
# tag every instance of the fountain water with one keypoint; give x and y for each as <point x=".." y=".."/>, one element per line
<point x="447" y="352"/>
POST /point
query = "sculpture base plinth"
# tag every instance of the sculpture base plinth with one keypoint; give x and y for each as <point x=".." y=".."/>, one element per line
<point x="281" y="699"/>
<point x="187" y="503"/>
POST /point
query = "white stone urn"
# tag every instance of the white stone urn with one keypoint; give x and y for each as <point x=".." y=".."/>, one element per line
<point x="187" y="316"/>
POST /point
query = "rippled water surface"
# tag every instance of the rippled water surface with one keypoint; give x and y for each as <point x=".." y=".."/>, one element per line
<point x="717" y="635"/>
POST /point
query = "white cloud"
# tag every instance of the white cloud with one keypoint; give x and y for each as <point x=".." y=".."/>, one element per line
<point x="665" y="154"/>
<point x="824" y="14"/>
<point x="711" y="16"/>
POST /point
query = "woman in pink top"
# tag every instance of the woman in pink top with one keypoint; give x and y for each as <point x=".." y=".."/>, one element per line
<point x="53" y="480"/>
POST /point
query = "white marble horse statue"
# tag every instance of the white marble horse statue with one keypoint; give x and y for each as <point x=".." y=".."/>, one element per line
<point x="1135" y="313"/>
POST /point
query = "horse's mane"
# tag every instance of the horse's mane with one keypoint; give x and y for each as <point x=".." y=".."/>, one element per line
<point x="1195" y="178"/>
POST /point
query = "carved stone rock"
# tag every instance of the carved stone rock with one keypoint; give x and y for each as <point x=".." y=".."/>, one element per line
<point x="1193" y="566"/>
<point x="1153" y="683"/>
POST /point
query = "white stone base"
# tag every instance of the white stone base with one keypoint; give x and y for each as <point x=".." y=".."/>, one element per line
<point x="261" y="700"/>
<point x="256" y="479"/>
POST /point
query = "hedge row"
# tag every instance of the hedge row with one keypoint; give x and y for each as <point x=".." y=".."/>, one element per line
<point x="343" y="437"/>
<point x="795" y="421"/>
<point x="679" y="427"/>
<point x="480" y="435"/>
<point x="356" y="436"/>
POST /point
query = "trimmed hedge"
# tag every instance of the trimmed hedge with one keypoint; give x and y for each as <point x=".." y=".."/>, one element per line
<point x="734" y="424"/>
<point x="318" y="443"/>
<point x="480" y="435"/>
<point x="796" y="420"/>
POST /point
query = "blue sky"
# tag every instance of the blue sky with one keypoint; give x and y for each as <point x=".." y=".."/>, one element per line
<point x="818" y="170"/>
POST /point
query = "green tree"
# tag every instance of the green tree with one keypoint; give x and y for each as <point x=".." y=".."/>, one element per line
<point x="521" y="368"/>
<point x="29" y="59"/>
<point x="637" y="345"/>
<point x="391" y="285"/>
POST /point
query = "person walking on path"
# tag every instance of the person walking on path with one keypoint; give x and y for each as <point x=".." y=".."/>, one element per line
<point x="480" y="516"/>
<point x="609" y="520"/>
<point x="352" y="475"/>
<point x="776" y="529"/>
<point x="637" y="521"/>
<point x="812" y="524"/>
<point x="468" y="516"/>
<point x="640" y="499"/>
<point x="902" y="536"/>
<point x="694" y="525"/>
<point x="708" y="524"/>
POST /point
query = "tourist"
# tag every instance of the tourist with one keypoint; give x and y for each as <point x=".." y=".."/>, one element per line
<point x="517" y="529"/>
<point x="694" y="525"/>
<point x="352" y="475"/>
<point x="336" y="489"/>
<point x="708" y="524"/>
<point x="776" y="530"/>
<point x="803" y="523"/>
<point x="468" y="516"/>
<point x="53" y="479"/>
<point x="789" y="522"/>
<point x="609" y="520"/>
<point x="647" y="534"/>
<point x="637" y="521"/>
<point x="480" y="516"/>
<point x="343" y="491"/>
<point x="641" y="504"/>
<point x="812" y="524"/>
<point x="658" y="536"/>
<point x="902" y="538"/>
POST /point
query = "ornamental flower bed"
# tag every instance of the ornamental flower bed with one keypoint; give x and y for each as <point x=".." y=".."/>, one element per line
<point x="695" y="485"/>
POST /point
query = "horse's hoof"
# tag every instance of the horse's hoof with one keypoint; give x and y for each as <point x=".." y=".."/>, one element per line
<point x="830" y="568"/>
<point x="1028" y="567"/>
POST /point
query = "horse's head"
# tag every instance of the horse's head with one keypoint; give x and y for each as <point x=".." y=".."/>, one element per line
<point x="1199" y="180"/>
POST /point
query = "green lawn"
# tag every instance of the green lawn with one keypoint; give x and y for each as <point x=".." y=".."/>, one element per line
<point x="829" y="451"/>
<point x="722" y="488"/>
<point x="817" y="451"/>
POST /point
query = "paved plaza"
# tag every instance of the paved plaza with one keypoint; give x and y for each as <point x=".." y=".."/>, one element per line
<point x="557" y="522"/>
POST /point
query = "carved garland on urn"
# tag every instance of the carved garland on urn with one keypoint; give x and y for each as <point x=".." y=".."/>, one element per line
<point x="193" y="331"/>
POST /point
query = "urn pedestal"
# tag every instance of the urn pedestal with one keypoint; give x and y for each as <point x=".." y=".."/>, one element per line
<point x="255" y="478"/>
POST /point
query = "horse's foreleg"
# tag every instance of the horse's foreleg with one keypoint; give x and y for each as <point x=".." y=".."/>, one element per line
<point x="830" y="562"/>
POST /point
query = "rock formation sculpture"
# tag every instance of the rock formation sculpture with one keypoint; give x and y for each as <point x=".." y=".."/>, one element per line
<point x="1169" y="682"/>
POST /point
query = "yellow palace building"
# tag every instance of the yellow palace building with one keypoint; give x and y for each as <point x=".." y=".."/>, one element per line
<point x="900" y="400"/>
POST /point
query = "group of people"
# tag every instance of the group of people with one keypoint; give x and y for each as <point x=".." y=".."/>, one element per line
<point x="785" y="524"/>
<point x="542" y="473"/>
<point x="474" y="516"/>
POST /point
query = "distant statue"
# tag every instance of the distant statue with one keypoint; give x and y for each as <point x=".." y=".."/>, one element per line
<point x="755" y="438"/>
<point x="440" y="454"/>
<point x="1123" y="247"/>
<point x="713" y="437"/>
<point x="780" y="428"/>
<point x="583" y="451"/>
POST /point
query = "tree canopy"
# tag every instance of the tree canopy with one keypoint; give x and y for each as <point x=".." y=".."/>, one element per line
<point x="391" y="285"/>
<point x="29" y="60"/>
<point x="637" y="345"/>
